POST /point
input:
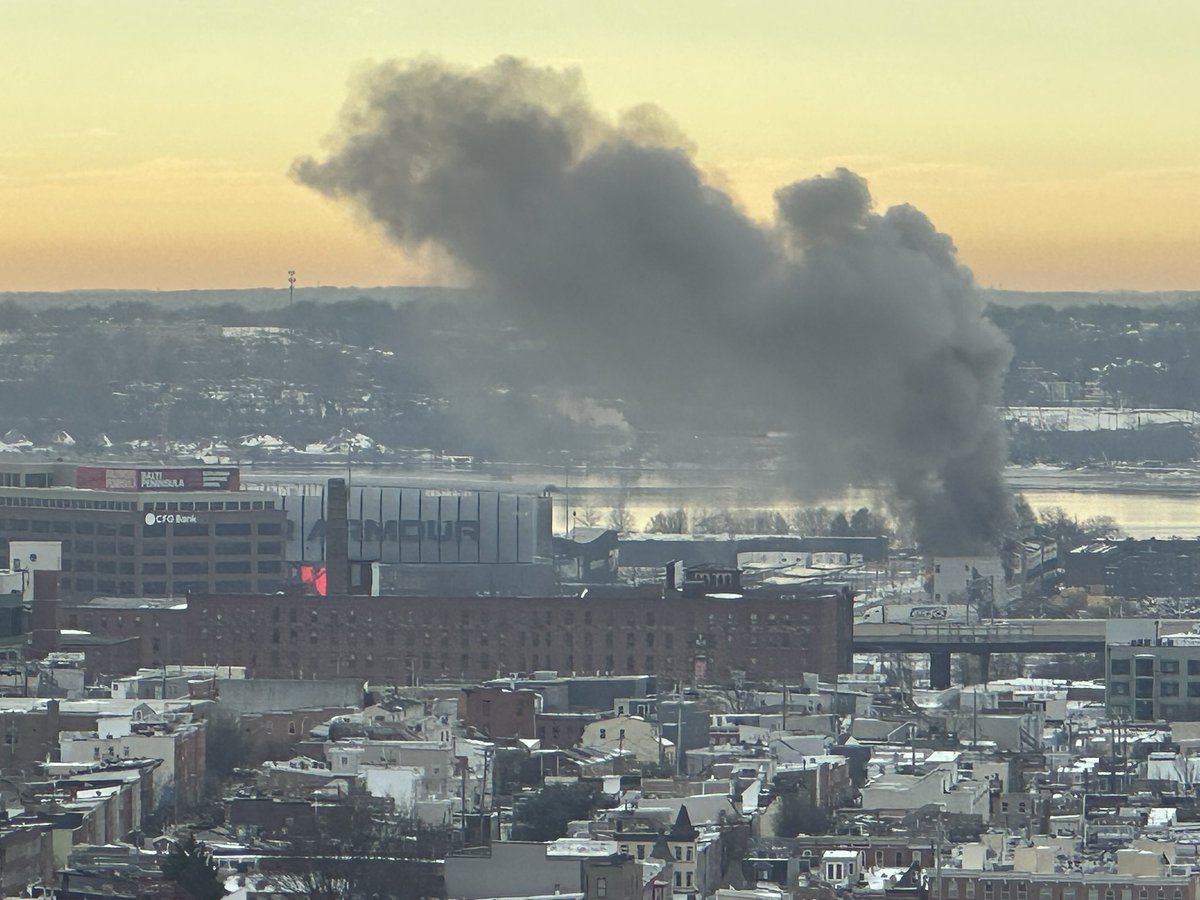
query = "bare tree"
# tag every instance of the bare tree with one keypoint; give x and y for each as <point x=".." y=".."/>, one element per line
<point x="362" y="853"/>
<point x="620" y="518"/>
<point x="668" y="522"/>
<point x="811" y="520"/>
<point x="717" y="521"/>
<point x="765" y="521"/>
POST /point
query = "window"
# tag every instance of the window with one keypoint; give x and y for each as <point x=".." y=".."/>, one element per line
<point x="1168" y="666"/>
<point x="233" y="567"/>
<point x="1193" y="689"/>
<point x="1168" y="688"/>
<point x="270" y="548"/>
<point x="192" y="529"/>
<point x="269" y="528"/>
<point x="601" y="887"/>
<point x="233" y="548"/>
<point x="189" y="568"/>
<point x="231" y="528"/>
<point x="1119" y="667"/>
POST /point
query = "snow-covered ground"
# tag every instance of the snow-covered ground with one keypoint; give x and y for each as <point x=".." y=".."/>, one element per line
<point x="1095" y="418"/>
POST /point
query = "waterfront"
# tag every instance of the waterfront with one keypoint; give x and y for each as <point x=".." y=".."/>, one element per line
<point x="1144" y="502"/>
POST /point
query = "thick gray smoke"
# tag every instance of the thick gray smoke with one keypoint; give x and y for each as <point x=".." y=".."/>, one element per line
<point x="859" y="332"/>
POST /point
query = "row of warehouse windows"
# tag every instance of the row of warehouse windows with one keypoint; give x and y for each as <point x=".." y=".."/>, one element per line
<point x="187" y="529"/>
<point x="221" y="567"/>
<point x="1145" y="666"/>
<point x="107" y="586"/>
<point x="183" y="505"/>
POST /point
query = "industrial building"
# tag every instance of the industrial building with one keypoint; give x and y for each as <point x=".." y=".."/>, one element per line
<point x="1136" y="568"/>
<point x="139" y="531"/>
<point x="1152" y="671"/>
<point x="408" y="640"/>
<point x="392" y="524"/>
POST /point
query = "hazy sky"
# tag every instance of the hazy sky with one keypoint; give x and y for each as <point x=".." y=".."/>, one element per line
<point x="146" y="144"/>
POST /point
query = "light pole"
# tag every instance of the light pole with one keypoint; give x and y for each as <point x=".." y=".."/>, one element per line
<point x="291" y="285"/>
<point x="566" y="493"/>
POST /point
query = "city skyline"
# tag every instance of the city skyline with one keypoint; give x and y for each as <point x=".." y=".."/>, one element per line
<point x="151" y="148"/>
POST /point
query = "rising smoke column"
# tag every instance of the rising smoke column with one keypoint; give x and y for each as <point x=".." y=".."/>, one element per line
<point x="858" y="332"/>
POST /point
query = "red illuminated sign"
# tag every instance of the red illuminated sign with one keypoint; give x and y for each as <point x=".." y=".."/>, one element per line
<point x="206" y="478"/>
<point x="313" y="578"/>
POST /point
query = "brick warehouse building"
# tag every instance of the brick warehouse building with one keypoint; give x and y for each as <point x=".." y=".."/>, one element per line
<point x="407" y="639"/>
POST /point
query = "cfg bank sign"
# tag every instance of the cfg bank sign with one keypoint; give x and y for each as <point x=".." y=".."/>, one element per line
<point x="169" y="518"/>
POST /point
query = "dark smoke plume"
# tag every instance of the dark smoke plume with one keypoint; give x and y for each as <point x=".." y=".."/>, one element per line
<point x="856" y="331"/>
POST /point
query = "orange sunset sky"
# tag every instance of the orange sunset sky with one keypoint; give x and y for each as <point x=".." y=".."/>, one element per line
<point x="147" y="144"/>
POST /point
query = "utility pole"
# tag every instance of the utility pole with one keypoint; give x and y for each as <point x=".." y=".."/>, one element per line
<point x="291" y="285"/>
<point x="937" y="857"/>
<point x="679" y="736"/>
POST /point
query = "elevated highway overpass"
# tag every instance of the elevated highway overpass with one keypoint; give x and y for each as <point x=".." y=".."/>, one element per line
<point x="990" y="635"/>
<point x="940" y="640"/>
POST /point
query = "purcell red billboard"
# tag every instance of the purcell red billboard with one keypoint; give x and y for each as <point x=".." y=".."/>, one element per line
<point x="199" y="478"/>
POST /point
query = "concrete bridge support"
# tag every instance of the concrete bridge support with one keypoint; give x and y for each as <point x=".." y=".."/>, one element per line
<point x="939" y="670"/>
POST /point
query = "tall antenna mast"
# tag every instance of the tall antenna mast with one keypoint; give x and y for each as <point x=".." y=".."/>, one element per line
<point x="291" y="285"/>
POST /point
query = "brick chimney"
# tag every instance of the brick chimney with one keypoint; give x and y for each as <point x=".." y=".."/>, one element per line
<point x="45" y="635"/>
<point x="337" y="538"/>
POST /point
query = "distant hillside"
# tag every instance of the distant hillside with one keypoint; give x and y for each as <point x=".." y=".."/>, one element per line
<point x="1088" y="298"/>
<point x="251" y="298"/>
<point x="264" y="298"/>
